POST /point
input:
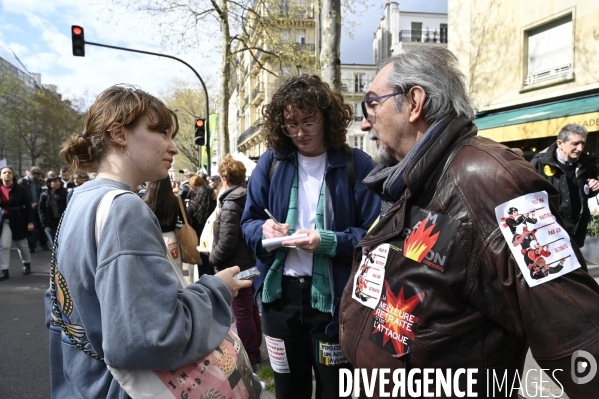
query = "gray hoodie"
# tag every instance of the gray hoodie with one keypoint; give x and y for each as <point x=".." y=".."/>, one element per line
<point x="121" y="300"/>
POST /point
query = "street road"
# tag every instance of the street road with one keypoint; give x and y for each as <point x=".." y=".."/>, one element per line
<point x="24" y="371"/>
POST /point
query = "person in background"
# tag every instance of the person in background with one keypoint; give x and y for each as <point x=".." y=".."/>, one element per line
<point x="185" y="191"/>
<point x="17" y="221"/>
<point x="230" y="249"/>
<point x="65" y="177"/>
<point x="574" y="173"/>
<point x="34" y="182"/>
<point x="121" y="296"/>
<point x="215" y="184"/>
<point x="161" y="200"/>
<point x="193" y="184"/>
<point x="175" y="186"/>
<point x="198" y="211"/>
<point x="309" y="192"/>
<point x="53" y="202"/>
<point x="79" y="177"/>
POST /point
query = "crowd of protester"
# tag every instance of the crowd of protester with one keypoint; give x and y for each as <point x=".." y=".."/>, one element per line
<point x="32" y="207"/>
<point x="323" y="196"/>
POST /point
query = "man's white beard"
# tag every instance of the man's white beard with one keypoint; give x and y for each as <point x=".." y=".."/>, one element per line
<point x="382" y="157"/>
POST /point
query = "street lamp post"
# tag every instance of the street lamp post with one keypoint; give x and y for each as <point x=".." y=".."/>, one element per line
<point x="78" y="34"/>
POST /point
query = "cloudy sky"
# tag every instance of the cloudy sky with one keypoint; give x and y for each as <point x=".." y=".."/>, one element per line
<point x="38" y="32"/>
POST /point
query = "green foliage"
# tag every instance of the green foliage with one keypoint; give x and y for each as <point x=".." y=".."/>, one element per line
<point x="267" y="375"/>
<point x="189" y="101"/>
<point x="34" y="122"/>
<point x="593" y="227"/>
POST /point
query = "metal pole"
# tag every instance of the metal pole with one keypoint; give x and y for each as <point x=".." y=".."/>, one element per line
<point x="201" y="81"/>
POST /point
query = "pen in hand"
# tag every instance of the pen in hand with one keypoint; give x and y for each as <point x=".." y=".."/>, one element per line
<point x="272" y="217"/>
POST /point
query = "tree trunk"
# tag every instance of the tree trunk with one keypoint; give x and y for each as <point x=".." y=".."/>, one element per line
<point x="330" y="61"/>
<point x="225" y="76"/>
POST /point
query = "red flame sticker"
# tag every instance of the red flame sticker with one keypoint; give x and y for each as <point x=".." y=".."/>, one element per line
<point x="420" y="241"/>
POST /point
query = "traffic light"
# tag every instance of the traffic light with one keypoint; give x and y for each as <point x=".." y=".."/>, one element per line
<point x="200" y="135"/>
<point x="78" y="41"/>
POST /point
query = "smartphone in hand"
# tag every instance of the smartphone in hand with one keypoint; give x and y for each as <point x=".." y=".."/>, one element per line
<point x="248" y="274"/>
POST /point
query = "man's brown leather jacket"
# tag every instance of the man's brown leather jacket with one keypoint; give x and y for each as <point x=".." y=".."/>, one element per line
<point x="476" y="310"/>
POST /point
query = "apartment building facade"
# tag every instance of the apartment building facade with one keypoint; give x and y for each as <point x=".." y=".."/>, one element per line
<point x="399" y="31"/>
<point x="531" y="67"/>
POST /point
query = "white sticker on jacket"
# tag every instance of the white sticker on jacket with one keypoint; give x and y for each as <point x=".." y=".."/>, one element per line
<point x="368" y="281"/>
<point x="277" y="354"/>
<point x="539" y="244"/>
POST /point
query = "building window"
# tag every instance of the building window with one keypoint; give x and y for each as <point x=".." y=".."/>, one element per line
<point x="284" y="8"/>
<point x="359" y="142"/>
<point x="443" y="33"/>
<point x="359" y="82"/>
<point x="549" y="51"/>
<point x="358" y="112"/>
<point x="300" y="36"/>
<point x="416" y="31"/>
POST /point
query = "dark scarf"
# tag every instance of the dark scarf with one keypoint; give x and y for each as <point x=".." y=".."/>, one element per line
<point x="388" y="181"/>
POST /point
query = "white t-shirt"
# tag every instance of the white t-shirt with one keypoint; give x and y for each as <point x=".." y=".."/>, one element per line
<point x="310" y="177"/>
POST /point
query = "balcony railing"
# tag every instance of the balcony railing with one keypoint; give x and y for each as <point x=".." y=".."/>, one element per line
<point x="548" y="74"/>
<point x="355" y="86"/>
<point x="304" y="46"/>
<point x="249" y="132"/>
<point x="287" y="12"/>
<point x="423" y="36"/>
<point x="257" y="90"/>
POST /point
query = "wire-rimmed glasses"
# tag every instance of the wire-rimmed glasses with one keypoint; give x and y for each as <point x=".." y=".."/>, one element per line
<point x="308" y="128"/>
<point x="369" y="109"/>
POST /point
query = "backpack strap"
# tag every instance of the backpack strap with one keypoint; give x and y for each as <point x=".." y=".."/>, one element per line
<point x="104" y="208"/>
<point x="273" y="168"/>
<point x="349" y="167"/>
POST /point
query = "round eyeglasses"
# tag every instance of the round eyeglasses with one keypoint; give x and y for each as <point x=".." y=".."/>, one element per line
<point x="308" y="128"/>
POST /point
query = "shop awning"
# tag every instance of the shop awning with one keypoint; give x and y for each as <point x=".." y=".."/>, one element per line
<point x="540" y="121"/>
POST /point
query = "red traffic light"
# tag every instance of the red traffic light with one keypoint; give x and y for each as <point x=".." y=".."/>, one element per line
<point x="78" y="41"/>
<point x="200" y="132"/>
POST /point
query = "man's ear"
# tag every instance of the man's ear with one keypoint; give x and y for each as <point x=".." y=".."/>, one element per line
<point x="416" y="97"/>
<point x="117" y="134"/>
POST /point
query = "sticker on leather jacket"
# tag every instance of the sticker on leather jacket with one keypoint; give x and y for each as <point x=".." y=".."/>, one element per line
<point x="541" y="247"/>
<point x="395" y="316"/>
<point x="430" y="239"/>
<point x="368" y="280"/>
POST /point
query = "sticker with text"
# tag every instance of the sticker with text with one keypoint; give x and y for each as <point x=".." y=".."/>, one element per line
<point x="430" y="238"/>
<point x="394" y="317"/>
<point x="277" y="354"/>
<point x="329" y="353"/>
<point x="368" y="281"/>
<point x="539" y="244"/>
